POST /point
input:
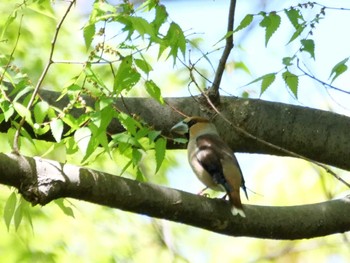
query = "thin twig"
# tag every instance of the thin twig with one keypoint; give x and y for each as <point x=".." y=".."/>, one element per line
<point x="42" y="77"/>
<point x="320" y="81"/>
<point x="228" y="47"/>
<point x="10" y="58"/>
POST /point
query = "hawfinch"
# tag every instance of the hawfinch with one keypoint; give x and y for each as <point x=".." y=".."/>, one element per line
<point x="212" y="160"/>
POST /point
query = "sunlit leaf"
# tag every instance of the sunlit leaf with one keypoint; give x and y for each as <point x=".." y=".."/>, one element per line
<point x="297" y="33"/>
<point x="287" y="61"/>
<point x="57" y="129"/>
<point x="271" y="23"/>
<point x="126" y="76"/>
<point x="294" y="17"/>
<point x="23" y="112"/>
<point x="308" y="45"/>
<point x="82" y="137"/>
<point x="154" y="91"/>
<point x="246" y="21"/>
<point x="143" y="65"/>
<point x="89" y="33"/>
<point x="267" y="80"/>
<point x="339" y="69"/>
<point x="9" y="209"/>
<point x="292" y="82"/>
<point x="160" y="147"/>
<point x="65" y="209"/>
<point x="18" y="216"/>
<point x="40" y="111"/>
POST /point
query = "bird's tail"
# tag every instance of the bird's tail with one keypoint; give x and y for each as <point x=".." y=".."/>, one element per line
<point x="235" y="199"/>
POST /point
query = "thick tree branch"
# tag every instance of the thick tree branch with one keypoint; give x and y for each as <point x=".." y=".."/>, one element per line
<point x="319" y="135"/>
<point x="40" y="181"/>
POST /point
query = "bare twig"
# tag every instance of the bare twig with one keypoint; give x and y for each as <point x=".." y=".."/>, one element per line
<point x="228" y="47"/>
<point x="42" y="77"/>
<point x="10" y="58"/>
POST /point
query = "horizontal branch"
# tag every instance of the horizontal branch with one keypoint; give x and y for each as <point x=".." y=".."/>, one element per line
<point x="41" y="181"/>
<point x="318" y="135"/>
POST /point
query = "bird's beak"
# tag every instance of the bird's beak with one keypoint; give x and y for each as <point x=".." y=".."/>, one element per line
<point x="180" y="128"/>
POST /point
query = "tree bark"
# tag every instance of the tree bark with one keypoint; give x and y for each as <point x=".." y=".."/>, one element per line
<point x="41" y="181"/>
<point x="318" y="135"/>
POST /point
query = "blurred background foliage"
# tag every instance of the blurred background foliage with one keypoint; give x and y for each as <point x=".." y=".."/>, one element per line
<point x="100" y="234"/>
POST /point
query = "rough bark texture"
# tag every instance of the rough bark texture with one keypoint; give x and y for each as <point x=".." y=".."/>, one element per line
<point x="319" y="135"/>
<point x="43" y="180"/>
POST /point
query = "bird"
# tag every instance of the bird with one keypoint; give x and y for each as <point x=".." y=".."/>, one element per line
<point x="212" y="160"/>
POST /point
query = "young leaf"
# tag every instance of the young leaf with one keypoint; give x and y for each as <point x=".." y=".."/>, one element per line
<point x="9" y="209"/>
<point x="82" y="137"/>
<point x="19" y="213"/>
<point x="339" y="69"/>
<point x="154" y="91"/>
<point x="297" y="33"/>
<point x="160" y="18"/>
<point x="267" y="80"/>
<point x="89" y="33"/>
<point x="261" y="78"/>
<point x="246" y="21"/>
<point x="126" y="76"/>
<point x="271" y="23"/>
<point x="308" y="45"/>
<point x="23" y="112"/>
<point x="143" y="65"/>
<point x="65" y="209"/>
<point x="40" y="111"/>
<point x="292" y="82"/>
<point x="57" y="129"/>
<point x="294" y="16"/>
<point x="160" y="148"/>
<point x="175" y="39"/>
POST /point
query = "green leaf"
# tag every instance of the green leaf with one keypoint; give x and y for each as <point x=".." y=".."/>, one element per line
<point x="175" y="39"/>
<point x="246" y="21"/>
<point x="271" y="23"/>
<point x="65" y="209"/>
<point x="308" y="45"/>
<point x="89" y="33"/>
<point x="127" y="139"/>
<point x="339" y="69"/>
<point x="154" y="91"/>
<point x="129" y="123"/>
<point x="23" y="112"/>
<point x="40" y="111"/>
<point x="142" y="26"/>
<point x="7" y="109"/>
<point x="160" y="18"/>
<point x="143" y="65"/>
<point x="287" y="61"/>
<point x="136" y="157"/>
<point x="57" y="129"/>
<point x="292" y="82"/>
<point x="18" y="216"/>
<point x="82" y="137"/>
<point x="261" y="78"/>
<point x="126" y="76"/>
<point x="294" y="16"/>
<point x="160" y="147"/>
<point x="297" y="33"/>
<point x="267" y="80"/>
<point x="9" y="209"/>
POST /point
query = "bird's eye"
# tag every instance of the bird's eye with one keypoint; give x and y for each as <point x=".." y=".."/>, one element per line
<point x="191" y="123"/>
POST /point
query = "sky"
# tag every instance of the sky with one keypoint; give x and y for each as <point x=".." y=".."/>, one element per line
<point x="207" y="19"/>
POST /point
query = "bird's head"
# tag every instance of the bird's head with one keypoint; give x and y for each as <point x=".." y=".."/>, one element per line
<point x="193" y="126"/>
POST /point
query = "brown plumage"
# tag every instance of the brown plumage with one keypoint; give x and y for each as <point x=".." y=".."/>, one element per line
<point x="212" y="160"/>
